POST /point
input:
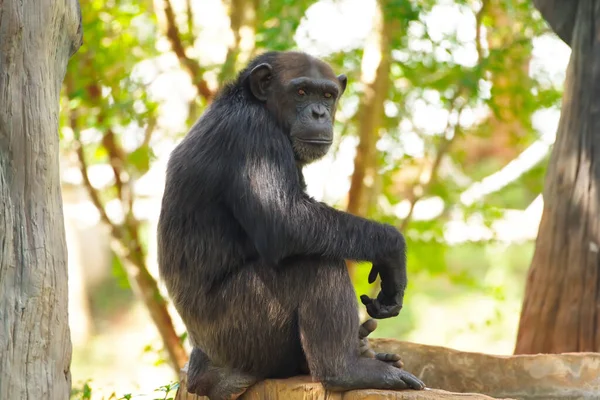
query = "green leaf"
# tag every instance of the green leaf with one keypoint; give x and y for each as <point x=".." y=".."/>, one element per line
<point x="140" y="159"/>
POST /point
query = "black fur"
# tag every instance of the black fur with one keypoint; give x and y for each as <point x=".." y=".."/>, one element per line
<point x="254" y="266"/>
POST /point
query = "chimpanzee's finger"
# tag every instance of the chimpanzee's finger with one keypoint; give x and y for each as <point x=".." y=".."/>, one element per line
<point x="390" y="358"/>
<point x="366" y="300"/>
<point x="374" y="310"/>
<point x="412" y="381"/>
<point x="368" y="353"/>
<point x="373" y="274"/>
<point x="387" y="357"/>
<point x="366" y="328"/>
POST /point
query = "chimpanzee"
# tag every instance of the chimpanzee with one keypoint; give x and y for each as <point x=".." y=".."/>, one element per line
<point x="255" y="267"/>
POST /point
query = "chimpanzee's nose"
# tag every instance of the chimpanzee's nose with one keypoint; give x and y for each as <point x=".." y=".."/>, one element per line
<point x="319" y="111"/>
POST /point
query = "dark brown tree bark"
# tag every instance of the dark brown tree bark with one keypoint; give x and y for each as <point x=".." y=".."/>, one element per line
<point x="36" y="40"/>
<point x="561" y="310"/>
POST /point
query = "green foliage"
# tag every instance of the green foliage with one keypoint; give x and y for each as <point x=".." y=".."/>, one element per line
<point x="103" y="91"/>
<point x="82" y="393"/>
<point x="278" y="23"/>
<point x="164" y="392"/>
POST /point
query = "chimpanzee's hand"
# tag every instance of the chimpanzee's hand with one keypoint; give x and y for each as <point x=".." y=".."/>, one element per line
<point x="382" y="307"/>
<point x="392" y="271"/>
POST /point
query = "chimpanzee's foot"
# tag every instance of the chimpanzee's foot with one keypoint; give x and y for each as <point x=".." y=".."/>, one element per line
<point x="217" y="383"/>
<point x="365" y="350"/>
<point x="373" y="374"/>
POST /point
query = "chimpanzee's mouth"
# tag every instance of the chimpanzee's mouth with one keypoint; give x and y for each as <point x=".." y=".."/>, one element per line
<point x="315" y="141"/>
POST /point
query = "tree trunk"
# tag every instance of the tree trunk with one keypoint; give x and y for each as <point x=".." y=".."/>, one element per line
<point x="376" y="79"/>
<point x="561" y="310"/>
<point x="36" y="40"/>
<point x="242" y="21"/>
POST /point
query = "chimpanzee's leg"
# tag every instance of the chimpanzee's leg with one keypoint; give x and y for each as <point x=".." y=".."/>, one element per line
<point x="244" y="330"/>
<point x="329" y="326"/>
<point x="266" y="322"/>
<point x="206" y="379"/>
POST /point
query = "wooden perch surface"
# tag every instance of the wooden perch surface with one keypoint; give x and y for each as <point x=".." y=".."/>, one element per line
<point x="463" y="375"/>
<point x="302" y="388"/>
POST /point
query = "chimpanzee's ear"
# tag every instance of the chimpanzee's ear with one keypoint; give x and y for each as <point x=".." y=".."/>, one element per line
<point x="260" y="80"/>
<point x="343" y="80"/>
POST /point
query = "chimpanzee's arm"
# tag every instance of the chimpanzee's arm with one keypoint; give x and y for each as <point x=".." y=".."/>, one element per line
<point x="282" y="221"/>
<point x="265" y="196"/>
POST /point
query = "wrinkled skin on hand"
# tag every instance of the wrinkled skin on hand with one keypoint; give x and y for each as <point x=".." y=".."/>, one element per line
<point x="388" y="302"/>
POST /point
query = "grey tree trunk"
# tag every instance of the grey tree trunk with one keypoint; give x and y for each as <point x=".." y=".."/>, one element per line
<point x="36" y="40"/>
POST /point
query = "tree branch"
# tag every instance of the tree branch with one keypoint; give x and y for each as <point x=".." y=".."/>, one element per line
<point x="126" y="242"/>
<point x="192" y="66"/>
<point x="149" y="131"/>
<point x="83" y="167"/>
<point x="444" y="147"/>
<point x="478" y="24"/>
<point x="561" y="16"/>
<point x="242" y="14"/>
<point x="190" y="21"/>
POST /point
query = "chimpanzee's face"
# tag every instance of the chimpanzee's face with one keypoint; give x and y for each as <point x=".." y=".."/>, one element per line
<point x="302" y="93"/>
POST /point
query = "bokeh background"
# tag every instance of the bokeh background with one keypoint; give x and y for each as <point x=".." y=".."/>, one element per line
<point x="444" y="131"/>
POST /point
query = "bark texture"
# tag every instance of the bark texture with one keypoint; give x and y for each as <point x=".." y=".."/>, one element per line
<point x="36" y="40"/>
<point x="561" y="310"/>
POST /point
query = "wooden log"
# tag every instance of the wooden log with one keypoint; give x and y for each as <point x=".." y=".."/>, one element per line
<point x="302" y="388"/>
<point x="566" y="376"/>
<point x="36" y="40"/>
<point x="453" y="374"/>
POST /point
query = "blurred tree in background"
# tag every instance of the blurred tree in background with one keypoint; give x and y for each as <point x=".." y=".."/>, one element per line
<point x="437" y="122"/>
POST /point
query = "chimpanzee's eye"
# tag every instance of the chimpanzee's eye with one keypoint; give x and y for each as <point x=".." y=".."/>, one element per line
<point x="301" y="92"/>
<point x="327" y="95"/>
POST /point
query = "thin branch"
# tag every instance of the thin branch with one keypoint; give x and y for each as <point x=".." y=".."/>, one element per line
<point x="478" y="25"/>
<point x="125" y="241"/>
<point x="83" y="166"/>
<point x="149" y="131"/>
<point x="190" y="21"/>
<point x="242" y="13"/>
<point x="192" y="66"/>
<point x="115" y="158"/>
<point x="83" y="169"/>
<point x="443" y="149"/>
